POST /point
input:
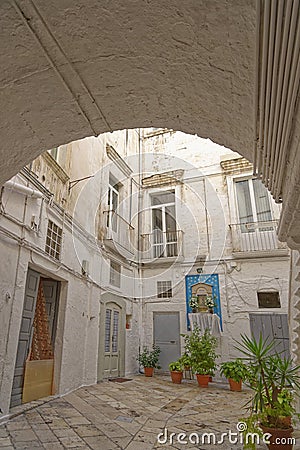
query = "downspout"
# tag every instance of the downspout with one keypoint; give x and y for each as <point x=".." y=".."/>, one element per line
<point x="206" y="219"/>
<point x="139" y="227"/>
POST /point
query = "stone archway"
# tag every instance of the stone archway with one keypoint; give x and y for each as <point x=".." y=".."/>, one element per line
<point x="76" y="69"/>
<point x="223" y="70"/>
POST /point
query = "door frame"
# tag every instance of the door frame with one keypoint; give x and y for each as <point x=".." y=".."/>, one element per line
<point x="107" y="298"/>
<point x="61" y="298"/>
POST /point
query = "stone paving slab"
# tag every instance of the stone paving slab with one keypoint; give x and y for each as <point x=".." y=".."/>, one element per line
<point x="110" y="416"/>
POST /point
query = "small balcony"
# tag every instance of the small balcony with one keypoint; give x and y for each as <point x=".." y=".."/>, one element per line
<point x="161" y="245"/>
<point x="118" y="234"/>
<point x="256" y="237"/>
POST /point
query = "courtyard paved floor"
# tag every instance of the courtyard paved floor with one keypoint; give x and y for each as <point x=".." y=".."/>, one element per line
<point x="129" y="416"/>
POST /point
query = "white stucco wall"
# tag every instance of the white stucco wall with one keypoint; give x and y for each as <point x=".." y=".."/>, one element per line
<point x="207" y="233"/>
<point x="204" y="209"/>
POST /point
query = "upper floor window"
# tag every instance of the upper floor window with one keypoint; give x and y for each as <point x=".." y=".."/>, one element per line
<point x="164" y="289"/>
<point x="115" y="274"/>
<point x="164" y="231"/>
<point x="53" y="240"/>
<point x="252" y="202"/>
<point x="113" y="203"/>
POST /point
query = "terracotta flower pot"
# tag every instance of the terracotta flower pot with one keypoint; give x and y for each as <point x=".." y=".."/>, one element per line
<point x="283" y="435"/>
<point x="176" y="377"/>
<point x="203" y="380"/>
<point x="235" y="385"/>
<point x="148" y="371"/>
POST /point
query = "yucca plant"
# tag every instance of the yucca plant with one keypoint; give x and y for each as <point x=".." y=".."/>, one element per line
<point x="274" y="380"/>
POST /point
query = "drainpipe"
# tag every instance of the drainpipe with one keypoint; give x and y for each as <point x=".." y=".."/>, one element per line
<point x="139" y="228"/>
<point x="206" y="219"/>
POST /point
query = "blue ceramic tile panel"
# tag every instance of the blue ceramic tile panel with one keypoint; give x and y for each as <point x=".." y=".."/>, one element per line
<point x="213" y="280"/>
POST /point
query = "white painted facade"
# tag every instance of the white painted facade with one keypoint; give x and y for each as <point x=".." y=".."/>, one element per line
<point x="202" y="176"/>
<point x="207" y="212"/>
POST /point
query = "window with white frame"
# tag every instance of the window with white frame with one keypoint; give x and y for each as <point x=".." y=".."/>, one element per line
<point x="115" y="274"/>
<point x="164" y="289"/>
<point x="113" y="203"/>
<point x="164" y="232"/>
<point x="253" y="203"/>
<point x="53" y="240"/>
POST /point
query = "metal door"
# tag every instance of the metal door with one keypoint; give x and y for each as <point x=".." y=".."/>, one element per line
<point x="167" y="337"/>
<point x="31" y="290"/>
<point x="51" y="291"/>
<point x="111" y="341"/>
<point x="272" y="326"/>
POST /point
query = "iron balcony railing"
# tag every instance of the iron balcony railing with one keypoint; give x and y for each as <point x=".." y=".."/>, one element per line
<point x="161" y="244"/>
<point x="255" y="236"/>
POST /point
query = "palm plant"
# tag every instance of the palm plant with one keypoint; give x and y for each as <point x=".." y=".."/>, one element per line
<point x="273" y="380"/>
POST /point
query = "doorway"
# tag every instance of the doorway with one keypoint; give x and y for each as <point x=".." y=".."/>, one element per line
<point x="112" y="344"/>
<point x="48" y="289"/>
<point x="111" y="352"/>
<point x="167" y="337"/>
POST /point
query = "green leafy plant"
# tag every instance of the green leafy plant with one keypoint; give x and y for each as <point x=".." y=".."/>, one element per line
<point x="185" y="361"/>
<point x="201" y="350"/>
<point x="274" y="381"/>
<point x="236" y="370"/>
<point x="210" y="301"/>
<point x="194" y="304"/>
<point x="149" y="358"/>
<point x="175" y="366"/>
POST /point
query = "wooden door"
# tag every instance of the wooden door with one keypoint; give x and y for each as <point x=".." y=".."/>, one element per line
<point x="112" y="341"/>
<point x="25" y="336"/>
<point x="272" y="326"/>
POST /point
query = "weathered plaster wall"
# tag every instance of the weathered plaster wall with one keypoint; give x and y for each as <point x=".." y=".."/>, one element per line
<point x="205" y="183"/>
<point x="76" y="346"/>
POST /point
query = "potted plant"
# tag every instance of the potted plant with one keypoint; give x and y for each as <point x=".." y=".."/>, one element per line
<point x="194" y="304"/>
<point x="274" y="381"/>
<point x="185" y="361"/>
<point x="236" y="372"/>
<point x="149" y="360"/>
<point x="176" y="371"/>
<point x="210" y="303"/>
<point x="202" y="353"/>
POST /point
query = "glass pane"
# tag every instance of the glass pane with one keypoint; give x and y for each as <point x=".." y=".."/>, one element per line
<point x="115" y="332"/>
<point x="109" y="198"/>
<point x="163" y="198"/>
<point x="262" y="203"/>
<point x="244" y="203"/>
<point x="107" y="329"/>
<point x="157" y="219"/>
<point x="115" y="199"/>
<point x="170" y="221"/>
